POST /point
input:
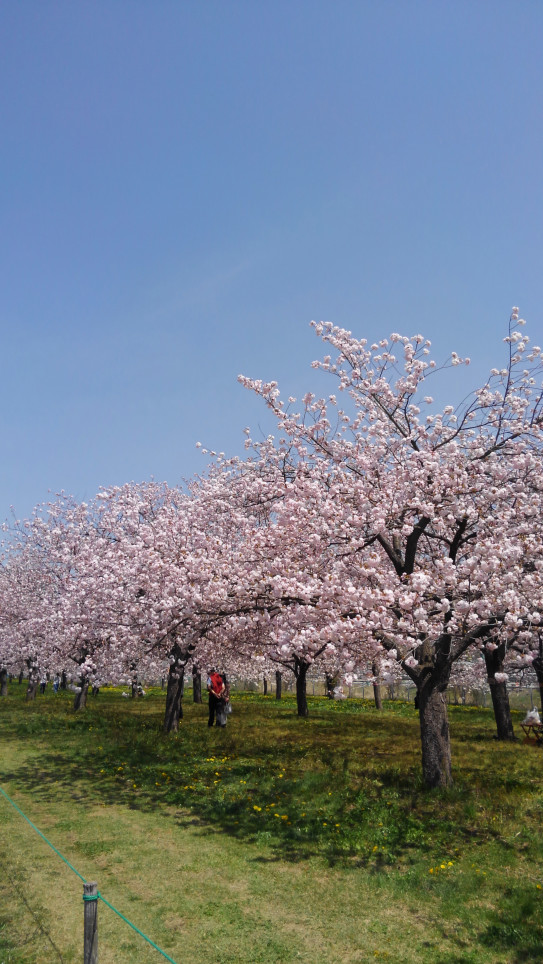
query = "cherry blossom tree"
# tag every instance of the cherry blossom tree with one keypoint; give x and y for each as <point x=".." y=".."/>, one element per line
<point x="430" y="524"/>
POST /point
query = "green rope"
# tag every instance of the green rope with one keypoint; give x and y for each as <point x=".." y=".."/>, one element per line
<point x="86" y="897"/>
<point x="48" y="842"/>
<point x="133" y="926"/>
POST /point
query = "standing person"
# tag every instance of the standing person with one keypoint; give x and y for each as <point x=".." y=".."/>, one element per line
<point x="223" y="704"/>
<point x="215" y="688"/>
<point x="56" y="683"/>
<point x="43" y="684"/>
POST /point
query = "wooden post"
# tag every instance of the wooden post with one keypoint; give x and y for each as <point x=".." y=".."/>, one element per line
<point x="90" y="933"/>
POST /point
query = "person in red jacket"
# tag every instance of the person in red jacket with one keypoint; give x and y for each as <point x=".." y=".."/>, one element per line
<point x="215" y="688"/>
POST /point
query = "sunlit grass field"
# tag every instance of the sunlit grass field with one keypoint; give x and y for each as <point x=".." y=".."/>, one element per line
<point x="276" y="840"/>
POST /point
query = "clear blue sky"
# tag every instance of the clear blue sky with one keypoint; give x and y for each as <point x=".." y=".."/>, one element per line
<point x="185" y="185"/>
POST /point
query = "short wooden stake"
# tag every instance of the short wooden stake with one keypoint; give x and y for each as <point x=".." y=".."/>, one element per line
<point x="90" y="933"/>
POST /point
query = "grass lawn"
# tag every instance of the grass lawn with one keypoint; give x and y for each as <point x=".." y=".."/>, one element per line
<point x="276" y="840"/>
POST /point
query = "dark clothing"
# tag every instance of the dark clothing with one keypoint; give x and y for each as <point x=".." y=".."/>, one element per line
<point x="213" y="701"/>
<point x="221" y="712"/>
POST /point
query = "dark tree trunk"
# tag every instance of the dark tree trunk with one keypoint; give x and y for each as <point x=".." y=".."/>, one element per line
<point x="375" y="669"/>
<point x="33" y="680"/>
<point x="498" y="691"/>
<point x="330" y="681"/>
<point x="21" y="677"/>
<point x="502" y="710"/>
<point x="300" y="672"/>
<point x="134" y="687"/>
<point x="278" y="684"/>
<point x="538" y="667"/>
<point x="196" y="684"/>
<point x="265" y="687"/>
<point x="434" y="729"/>
<point x="63" y="680"/>
<point x="31" y="690"/>
<point x="80" y="700"/>
<point x="174" y="696"/>
<point x="3" y="682"/>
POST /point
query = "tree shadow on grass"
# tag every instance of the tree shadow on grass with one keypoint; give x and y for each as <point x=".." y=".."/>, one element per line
<point x="346" y="788"/>
<point x="518" y="926"/>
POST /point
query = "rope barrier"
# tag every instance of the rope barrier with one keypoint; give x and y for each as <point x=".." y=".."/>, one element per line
<point x="48" y="842"/>
<point x="86" y="897"/>
<point x="133" y="926"/>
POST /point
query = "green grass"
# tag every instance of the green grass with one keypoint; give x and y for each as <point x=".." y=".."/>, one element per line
<point x="275" y="840"/>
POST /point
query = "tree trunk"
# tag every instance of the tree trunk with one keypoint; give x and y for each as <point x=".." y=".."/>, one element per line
<point x="196" y="684"/>
<point x="502" y="710"/>
<point x="278" y="682"/>
<point x="174" y="695"/>
<point x="375" y="668"/>
<point x="434" y="731"/>
<point x="300" y="672"/>
<point x="330" y="681"/>
<point x="538" y="667"/>
<point x="33" y="680"/>
<point x="498" y="691"/>
<point x="21" y="677"/>
<point x="265" y="687"/>
<point x="3" y="682"/>
<point x="63" y="681"/>
<point x="134" y="688"/>
<point x="31" y="690"/>
<point x="80" y="700"/>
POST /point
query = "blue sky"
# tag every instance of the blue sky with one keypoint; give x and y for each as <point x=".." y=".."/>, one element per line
<point x="185" y="185"/>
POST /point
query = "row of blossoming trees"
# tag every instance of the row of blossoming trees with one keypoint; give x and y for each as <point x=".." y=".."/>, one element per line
<point x="361" y="531"/>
